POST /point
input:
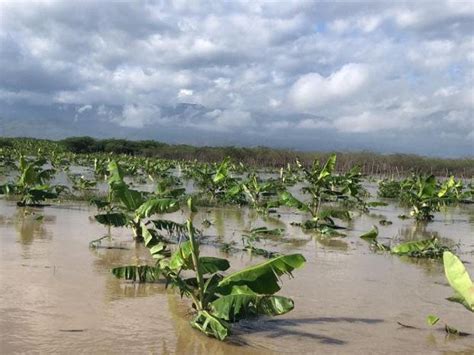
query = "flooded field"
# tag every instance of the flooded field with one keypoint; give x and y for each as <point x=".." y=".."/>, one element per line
<point x="58" y="295"/>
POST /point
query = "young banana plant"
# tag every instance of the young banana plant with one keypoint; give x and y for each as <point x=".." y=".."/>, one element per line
<point x="128" y="207"/>
<point x="218" y="300"/>
<point x="32" y="183"/>
<point x="321" y="186"/>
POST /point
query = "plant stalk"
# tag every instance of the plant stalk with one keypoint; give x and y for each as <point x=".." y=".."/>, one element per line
<point x="195" y="256"/>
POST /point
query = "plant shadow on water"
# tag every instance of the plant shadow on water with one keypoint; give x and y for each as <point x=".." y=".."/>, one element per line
<point x="275" y="328"/>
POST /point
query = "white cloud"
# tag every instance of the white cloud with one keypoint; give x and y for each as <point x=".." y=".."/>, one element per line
<point x="231" y="119"/>
<point x="137" y="116"/>
<point x="274" y="103"/>
<point x="84" y="108"/>
<point x="185" y="93"/>
<point x="368" y="122"/>
<point x="293" y="67"/>
<point x="311" y="91"/>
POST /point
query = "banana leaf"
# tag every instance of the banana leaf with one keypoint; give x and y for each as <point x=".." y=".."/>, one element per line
<point x="115" y="219"/>
<point x="262" y="278"/>
<point x="243" y="303"/>
<point x="328" y="167"/>
<point x="157" y="205"/>
<point x="289" y="200"/>
<point x="459" y="280"/>
<point x="421" y="248"/>
<point x="182" y="259"/>
<point x="371" y="235"/>
<point x="211" y="325"/>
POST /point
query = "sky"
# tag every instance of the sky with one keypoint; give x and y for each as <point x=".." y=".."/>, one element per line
<point x="386" y="76"/>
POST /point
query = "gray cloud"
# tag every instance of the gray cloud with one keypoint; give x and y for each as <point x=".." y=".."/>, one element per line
<point x="285" y="74"/>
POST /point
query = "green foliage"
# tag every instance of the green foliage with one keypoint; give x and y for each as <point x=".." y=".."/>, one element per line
<point x="459" y="280"/>
<point x="371" y="235"/>
<point x="389" y="188"/>
<point x="263" y="278"/>
<point x="128" y="207"/>
<point x="217" y="299"/>
<point x="432" y="320"/>
<point x="115" y="219"/>
<point x="424" y="194"/>
<point x="429" y="248"/>
<point x="32" y="182"/>
<point x="324" y="186"/>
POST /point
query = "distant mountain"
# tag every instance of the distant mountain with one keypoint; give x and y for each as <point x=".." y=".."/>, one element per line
<point x="196" y="125"/>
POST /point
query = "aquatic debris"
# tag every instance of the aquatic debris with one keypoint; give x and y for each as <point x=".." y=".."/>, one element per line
<point x="428" y="248"/>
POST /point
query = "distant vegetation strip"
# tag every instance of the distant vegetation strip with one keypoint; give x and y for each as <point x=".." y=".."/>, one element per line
<point x="261" y="157"/>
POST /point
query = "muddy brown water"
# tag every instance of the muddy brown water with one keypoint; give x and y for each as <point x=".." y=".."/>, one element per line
<point x="57" y="295"/>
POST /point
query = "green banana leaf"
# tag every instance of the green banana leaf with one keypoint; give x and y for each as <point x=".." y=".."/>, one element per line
<point x="173" y="228"/>
<point x="371" y="235"/>
<point x="412" y="248"/>
<point x="262" y="278"/>
<point x="243" y="302"/>
<point x="328" y="167"/>
<point x="157" y="205"/>
<point x="289" y="200"/>
<point x="131" y="199"/>
<point x="459" y="280"/>
<point x="115" y="219"/>
<point x="211" y="325"/>
<point x="182" y="259"/>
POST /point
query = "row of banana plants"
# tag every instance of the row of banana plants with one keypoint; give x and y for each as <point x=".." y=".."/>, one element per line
<point x="219" y="298"/>
<point x="425" y="195"/>
<point x="324" y="195"/>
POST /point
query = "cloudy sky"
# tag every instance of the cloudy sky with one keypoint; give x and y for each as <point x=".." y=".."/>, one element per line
<point x="388" y="76"/>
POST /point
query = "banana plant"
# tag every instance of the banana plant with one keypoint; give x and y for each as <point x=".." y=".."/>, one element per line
<point x="218" y="182"/>
<point x="219" y="300"/>
<point x="421" y="194"/>
<point x="424" y="194"/>
<point x="80" y="183"/>
<point x="32" y="183"/>
<point x="389" y="188"/>
<point x="128" y="207"/>
<point x="426" y="248"/>
<point x="259" y="193"/>
<point x="322" y="186"/>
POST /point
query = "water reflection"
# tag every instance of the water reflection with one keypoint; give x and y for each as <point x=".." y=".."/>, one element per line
<point x="30" y="224"/>
<point x="83" y="294"/>
<point x="416" y="231"/>
<point x="333" y="243"/>
<point x="116" y="289"/>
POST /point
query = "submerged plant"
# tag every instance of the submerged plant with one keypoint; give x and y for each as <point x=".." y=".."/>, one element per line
<point x="128" y="207"/>
<point x="218" y="299"/>
<point x="427" y="248"/>
<point x="32" y="183"/>
<point x="424" y="194"/>
<point x="323" y="186"/>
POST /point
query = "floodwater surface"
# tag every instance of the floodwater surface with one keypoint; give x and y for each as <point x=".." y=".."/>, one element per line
<point x="58" y="295"/>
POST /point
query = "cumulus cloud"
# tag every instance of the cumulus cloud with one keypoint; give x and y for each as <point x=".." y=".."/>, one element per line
<point x="298" y="69"/>
<point x="84" y="108"/>
<point x="137" y="116"/>
<point x="312" y="90"/>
